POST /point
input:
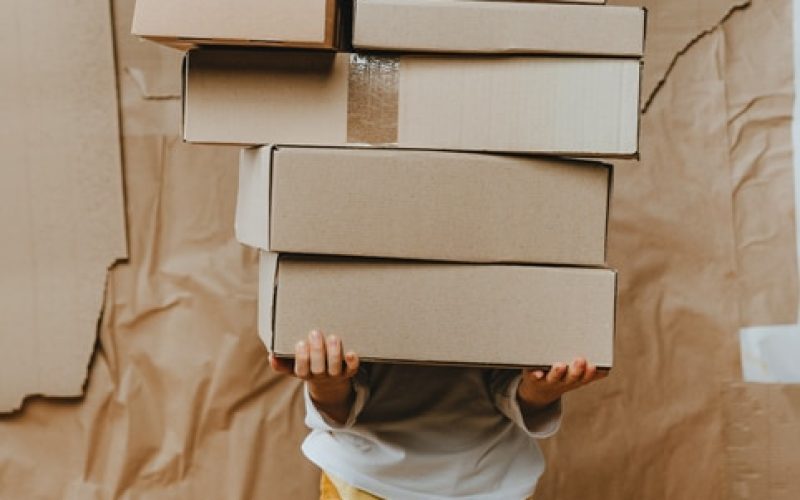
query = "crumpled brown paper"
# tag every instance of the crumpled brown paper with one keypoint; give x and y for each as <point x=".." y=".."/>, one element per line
<point x="180" y="403"/>
<point x="684" y="235"/>
<point x="762" y="430"/>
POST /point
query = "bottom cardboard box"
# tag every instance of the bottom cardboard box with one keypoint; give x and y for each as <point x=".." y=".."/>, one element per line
<point x="440" y="313"/>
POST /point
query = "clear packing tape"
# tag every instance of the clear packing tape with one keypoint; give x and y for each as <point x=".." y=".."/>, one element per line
<point x="372" y="99"/>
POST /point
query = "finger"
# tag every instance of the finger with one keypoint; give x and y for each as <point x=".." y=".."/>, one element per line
<point x="301" y="356"/>
<point x="334" y="352"/>
<point x="556" y="373"/>
<point x="280" y="365"/>
<point x="352" y="362"/>
<point x="590" y="374"/>
<point x="576" y="370"/>
<point x="534" y="373"/>
<point x="317" y="353"/>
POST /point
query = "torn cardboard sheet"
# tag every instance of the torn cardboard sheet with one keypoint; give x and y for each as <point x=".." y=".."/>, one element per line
<point x="61" y="200"/>
<point x="672" y="27"/>
<point x="762" y="429"/>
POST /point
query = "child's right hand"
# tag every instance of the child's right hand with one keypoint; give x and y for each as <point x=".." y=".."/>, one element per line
<point x="327" y="371"/>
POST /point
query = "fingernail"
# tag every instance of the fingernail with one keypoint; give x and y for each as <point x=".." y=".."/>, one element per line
<point x="332" y="340"/>
<point x="301" y="344"/>
<point x="315" y="336"/>
<point x="538" y="374"/>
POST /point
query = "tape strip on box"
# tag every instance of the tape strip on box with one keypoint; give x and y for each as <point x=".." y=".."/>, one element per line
<point x="372" y="99"/>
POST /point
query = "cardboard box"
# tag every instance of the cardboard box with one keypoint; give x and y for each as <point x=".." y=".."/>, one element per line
<point x="440" y="313"/>
<point x="423" y="205"/>
<point x="283" y="23"/>
<point x="498" y="27"/>
<point x="571" y="106"/>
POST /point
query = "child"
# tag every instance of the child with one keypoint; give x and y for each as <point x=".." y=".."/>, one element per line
<point x="414" y="432"/>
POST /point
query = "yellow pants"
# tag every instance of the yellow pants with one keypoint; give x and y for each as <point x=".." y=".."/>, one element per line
<point x="331" y="488"/>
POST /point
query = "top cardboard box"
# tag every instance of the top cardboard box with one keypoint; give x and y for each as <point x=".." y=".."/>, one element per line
<point x="578" y="106"/>
<point x="284" y="23"/>
<point x="498" y="27"/>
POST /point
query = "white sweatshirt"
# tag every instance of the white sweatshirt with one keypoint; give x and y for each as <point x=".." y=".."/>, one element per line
<point x="419" y="432"/>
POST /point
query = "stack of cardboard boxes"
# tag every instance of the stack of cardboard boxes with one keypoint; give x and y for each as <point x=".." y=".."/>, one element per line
<point x="406" y="183"/>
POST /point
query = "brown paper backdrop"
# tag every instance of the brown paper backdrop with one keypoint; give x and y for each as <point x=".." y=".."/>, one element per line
<point x="762" y="430"/>
<point x="180" y="403"/>
<point x="703" y="224"/>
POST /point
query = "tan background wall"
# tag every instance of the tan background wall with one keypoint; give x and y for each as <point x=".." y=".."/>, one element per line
<point x="180" y="403"/>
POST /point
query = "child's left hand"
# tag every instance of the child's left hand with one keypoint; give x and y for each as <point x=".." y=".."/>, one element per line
<point x="539" y="389"/>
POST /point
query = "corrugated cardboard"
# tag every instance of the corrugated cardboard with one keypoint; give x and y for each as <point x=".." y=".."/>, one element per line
<point x="580" y="106"/>
<point x="762" y="430"/>
<point x="283" y="23"/>
<point x="61" y="203"/>
<point x="441" y="313"/>
<point x="498" y="27"/>
<point x="423" y="205"/>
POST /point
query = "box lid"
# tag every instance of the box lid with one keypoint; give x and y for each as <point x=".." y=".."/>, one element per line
<point x="289" y="23"/>
<point x="498" y="27"/>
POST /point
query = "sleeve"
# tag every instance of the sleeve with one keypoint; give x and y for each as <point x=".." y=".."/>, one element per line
<point x="317" y="420"/>
<point x="503" y="385"/>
